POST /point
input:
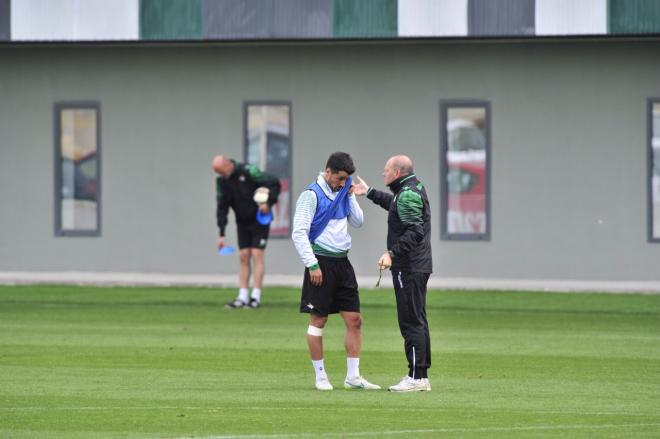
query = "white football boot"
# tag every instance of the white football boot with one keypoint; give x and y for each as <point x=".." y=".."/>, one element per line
<point x="359" y="383"/>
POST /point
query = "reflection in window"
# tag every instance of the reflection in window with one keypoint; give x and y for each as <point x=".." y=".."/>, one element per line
<point x="654" y="191"/>
<point x="268" y="145"/>
<point x="465" y="166"/>
<point x="77" y="169"/>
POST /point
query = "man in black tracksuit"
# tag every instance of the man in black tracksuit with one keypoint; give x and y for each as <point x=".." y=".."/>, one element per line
<point x="236" y="185"/>
<point x="409" y="258"/>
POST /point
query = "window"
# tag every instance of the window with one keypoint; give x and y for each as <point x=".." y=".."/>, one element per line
<point x="77" y="169"/>
<point x="465" y="170"/>
<point x="267" y="141"/>
<point x="654" y="170"/>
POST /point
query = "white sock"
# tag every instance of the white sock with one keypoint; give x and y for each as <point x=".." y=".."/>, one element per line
<point x="256" y="294"/>
<point x="319" y="369"/>
<point x="243" y="295"/>
<point x="352" y="367"/>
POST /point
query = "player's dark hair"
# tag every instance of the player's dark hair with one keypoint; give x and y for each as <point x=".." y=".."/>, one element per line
<point x="340" y="161"/>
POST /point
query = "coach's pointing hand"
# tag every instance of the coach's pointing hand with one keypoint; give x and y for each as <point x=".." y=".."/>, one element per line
<point x="360" y="187"/>
<point x="316" y="277"/>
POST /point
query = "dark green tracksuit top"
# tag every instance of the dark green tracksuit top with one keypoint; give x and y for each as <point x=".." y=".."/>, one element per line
<point x="237" y="192"/>
<point x="408" y="224"/>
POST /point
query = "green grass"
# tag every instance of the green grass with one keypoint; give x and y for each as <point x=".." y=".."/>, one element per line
<point x="82" y="362"/>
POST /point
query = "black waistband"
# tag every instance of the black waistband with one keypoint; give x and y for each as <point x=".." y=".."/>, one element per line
<point x="331" y="258"/>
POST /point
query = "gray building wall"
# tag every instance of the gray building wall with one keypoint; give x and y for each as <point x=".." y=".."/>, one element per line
<point x="568" y="148"/>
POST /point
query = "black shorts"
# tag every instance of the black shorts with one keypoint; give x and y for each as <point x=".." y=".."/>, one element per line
<point x="338" y="292"/>
<point x="252" y="236"/>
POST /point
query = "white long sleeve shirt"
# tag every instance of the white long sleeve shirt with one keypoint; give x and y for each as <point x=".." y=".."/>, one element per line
<point x="334" y="238"/>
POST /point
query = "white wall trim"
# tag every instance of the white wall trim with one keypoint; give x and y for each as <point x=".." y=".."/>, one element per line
<point x="75" y="20"/>
<point x="225" y="280"/>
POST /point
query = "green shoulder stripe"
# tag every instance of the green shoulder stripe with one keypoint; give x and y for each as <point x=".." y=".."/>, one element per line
<point x="409" y="206"/>
<point x="253" y="171"/>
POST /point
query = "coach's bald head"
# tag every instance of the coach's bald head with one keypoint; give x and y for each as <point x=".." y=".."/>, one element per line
<point x="223" y="166"/>
<point x="396" y="167"/>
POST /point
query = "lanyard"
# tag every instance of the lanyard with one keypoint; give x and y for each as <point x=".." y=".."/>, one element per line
<point x="380" y="274"/>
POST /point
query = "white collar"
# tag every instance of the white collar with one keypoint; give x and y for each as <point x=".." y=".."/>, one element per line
<point x="325" y="186"/>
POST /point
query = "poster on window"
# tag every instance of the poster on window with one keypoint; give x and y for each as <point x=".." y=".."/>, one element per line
<point x="268" y="146"/>
<point x="465" y="168"/>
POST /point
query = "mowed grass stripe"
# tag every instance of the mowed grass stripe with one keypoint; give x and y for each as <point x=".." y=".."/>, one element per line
<point x="16" y="360"/>
<point x="168" y="362"/>
<point x="443" y="430"/>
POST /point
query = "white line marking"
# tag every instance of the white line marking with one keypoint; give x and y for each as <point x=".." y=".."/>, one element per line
<point x="430" y="430"/>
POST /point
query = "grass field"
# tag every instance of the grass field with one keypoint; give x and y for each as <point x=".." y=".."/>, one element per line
<point x="82" y="362"/>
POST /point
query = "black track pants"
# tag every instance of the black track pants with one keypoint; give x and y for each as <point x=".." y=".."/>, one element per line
<point x="410" y="290"/>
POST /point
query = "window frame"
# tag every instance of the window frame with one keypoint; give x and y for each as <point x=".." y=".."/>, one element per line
<point x="445" y="105"/>
<point x="58" y="108"/>
<point x="246" y="143"/>
<point x="649" y="168"/>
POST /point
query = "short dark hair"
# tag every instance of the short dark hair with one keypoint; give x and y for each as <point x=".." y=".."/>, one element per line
<point x="340" y="161"/>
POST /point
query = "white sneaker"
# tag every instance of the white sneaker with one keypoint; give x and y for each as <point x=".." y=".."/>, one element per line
<point x="359" y="383"/>
<point x="427" y="383"/>
<point x="408" y="384"/>
<point x="323" y="384"/>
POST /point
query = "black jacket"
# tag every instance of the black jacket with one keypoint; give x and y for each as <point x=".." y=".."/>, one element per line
<point x="237" y="192"/>
<point x="408" y="224"/>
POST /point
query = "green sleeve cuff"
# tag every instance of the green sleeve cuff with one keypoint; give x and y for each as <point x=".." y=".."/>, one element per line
<point x="314" y="267"/>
